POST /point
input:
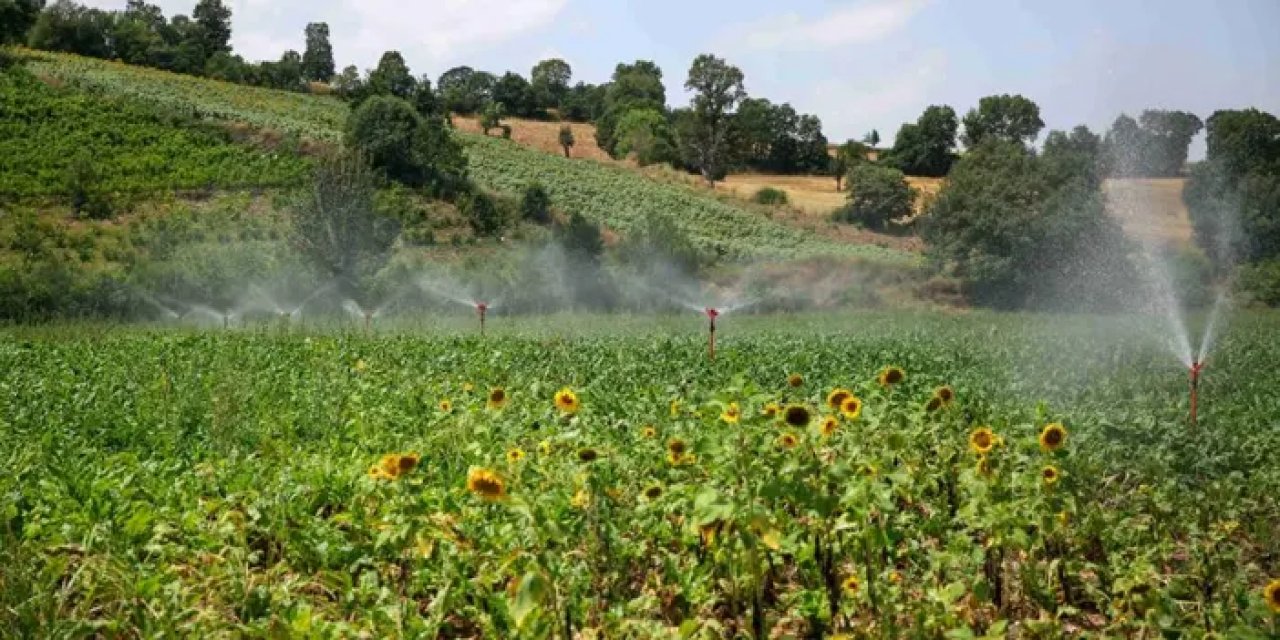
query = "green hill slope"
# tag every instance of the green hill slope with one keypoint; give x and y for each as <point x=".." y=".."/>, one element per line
<point x="613" y="196"/>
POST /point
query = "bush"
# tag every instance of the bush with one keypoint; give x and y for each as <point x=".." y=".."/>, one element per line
<point x="1260" y="282"/>
<point x="535" y="204"/>
<point x="770" y="196"/>
<point x="877" y="194"/>
<point x="410" y="149"/>
<point x="482" y="213"/>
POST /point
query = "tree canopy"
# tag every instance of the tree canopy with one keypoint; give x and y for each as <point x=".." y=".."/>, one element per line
<point x="1011" y="118"/>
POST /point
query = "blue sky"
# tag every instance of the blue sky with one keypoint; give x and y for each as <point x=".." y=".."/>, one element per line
<point x="858" y="64"/>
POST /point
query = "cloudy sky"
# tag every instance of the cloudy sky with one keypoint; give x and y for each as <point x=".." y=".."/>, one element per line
<point x="858" y="64"/>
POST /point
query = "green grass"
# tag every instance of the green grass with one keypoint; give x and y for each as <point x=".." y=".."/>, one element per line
<point x="613" y="196"/>
<point x="132" y="146"/>
<point x="173" y="482"/>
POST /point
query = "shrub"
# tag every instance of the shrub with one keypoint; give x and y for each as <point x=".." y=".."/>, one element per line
<point x="770" y="196"/>
<point x="877" y="194"/>
<point x="535" y="204"/>
<point x="481" y="212"/>
<point x="1260" y="282"/>
<point x="408" y="148"/>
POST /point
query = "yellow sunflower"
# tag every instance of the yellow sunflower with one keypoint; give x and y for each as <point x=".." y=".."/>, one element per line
<point x="545" y="447"/>
<point x="467" y="387"/>
<point x="497" y="398"/>
<point x="653" y="491"/>
<point x="587" y="454"/>
<point x="982" y="440"/>
<point x="515" y="455"/>
<point x="567" y="401"/>
<point x="581" y="498"/>
<point x="1050" y="475"/>
<point x="850" y="585"/>
<point x="828" y="426"/>
<point x="446" y="406"/>
<point x="390" y="466"/>
<point x="770" y="410"/>
<point x="677" y="447"/>
<point x="890" y="376"/>
<point x="795" y="380"/>
<point x="648" y="432"/>
<point x="675" y="409"/>
<point x="836" y="398"/>
<point x="1271" y="594"/>
<point x="797" y="416"/>
<point x="851" y="408"/>
<point x="1053" y="436"/>
<point x="486" y="484"/>
<point x="788" y="440"/>
<point x="731" y="413"/>
<point x="945" y="393"/>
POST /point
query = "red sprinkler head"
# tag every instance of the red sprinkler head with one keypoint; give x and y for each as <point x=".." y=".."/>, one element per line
<point x="482" y="307"/>
<point x="711" y="313"/>
<point x="1196" y="368"/>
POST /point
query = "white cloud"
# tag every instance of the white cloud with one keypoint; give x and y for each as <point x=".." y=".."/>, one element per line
<point x="857" y="23"/>
<point x="852" y="107"/>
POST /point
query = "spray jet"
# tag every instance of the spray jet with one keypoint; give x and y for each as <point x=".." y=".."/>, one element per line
<point x="1195" y="369"/>
<point x="712" y="314"/>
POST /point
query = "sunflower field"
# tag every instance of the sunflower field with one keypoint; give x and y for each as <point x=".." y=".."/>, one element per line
<point x="858" y="476"/>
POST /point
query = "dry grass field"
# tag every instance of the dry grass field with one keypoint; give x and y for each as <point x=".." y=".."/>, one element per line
<point x="544" y="136"/>
<point x="1151" y="209"/>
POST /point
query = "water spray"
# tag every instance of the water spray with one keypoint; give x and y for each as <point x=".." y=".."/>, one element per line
<point x="481" y="309"/>
<point x="712" y="314"/>
<point x="1195" y="369"/>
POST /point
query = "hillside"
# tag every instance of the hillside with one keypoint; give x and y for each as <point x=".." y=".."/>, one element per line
<point x="611" y="195"/>
<point x="1151" y="209"/>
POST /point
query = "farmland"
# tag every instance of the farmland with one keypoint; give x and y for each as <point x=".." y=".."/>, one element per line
<point x="324" y="483"/>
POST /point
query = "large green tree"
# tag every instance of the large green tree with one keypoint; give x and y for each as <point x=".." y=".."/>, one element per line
<point x="317" y="59"/>
<point x="214" y="19"/>
<point x="633" y="86"/>
<point x="1011" y="118"/>
<point x="877" y="195"/>
<point x="717" y="90"/>
<point x="549" y="80"/>
<point x="16" y="18"/>
<point x="1155" y="145"/>
<point x="515" y="94"/>
<point x="465" y="90"/>
<point x="927" y="147"/>
<point x="410" y="149"/>
<point x="645" y="134"/>
<point x="391" y="77"/>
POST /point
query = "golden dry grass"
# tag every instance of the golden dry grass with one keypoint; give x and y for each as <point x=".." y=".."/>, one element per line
<point x="1150" y="209"/>
<point x="816" y="195"/>
<point x="544" y="136"/>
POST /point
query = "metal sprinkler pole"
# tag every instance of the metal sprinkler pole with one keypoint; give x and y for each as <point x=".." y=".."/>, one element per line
<point x="482" y="308"/>
<point x="1196" y="368"/>
<point x="368" y="317"/>
<point x="712" y="314"/>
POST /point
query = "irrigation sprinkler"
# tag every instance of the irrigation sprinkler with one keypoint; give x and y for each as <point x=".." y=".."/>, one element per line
<point x="712" y="314"/>
<point x="481" y="309"/>
<point x="1195" y="370"/>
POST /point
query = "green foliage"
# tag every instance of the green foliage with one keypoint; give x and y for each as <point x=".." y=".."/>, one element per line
<point x="1007" y="118"/>
<point x="770" y="196"/>
<point x="775" y="139"/>
<point x="705" y="134"/>
<point x="410" y="149"/>
<point x="84" y="189"/>
<point x="465" y="90"/>
<point x="583" y="103"/>
<point x="16" y="17"/>
<point x="1156" y="147"/>
<point x="337" y="227"/>
<point x="581" y="238"/>
<point x="317" y="59"/>
<point x="1234" y="195"/>
<point x="1260" y="282"/>
<point x="1018" y="232"/>
<point x="214" y="19"/>
<point x="549" y="81"/>
<point x="134" y="147"/>
<point x="535" y="204"/>
<point x="926" y="148"/>
<point x="634" y="86"/>
<point x="658" y="249"/>
<point x="847" y="156"/>
<point x="492" y="117"/>
<point x="643" y="133"/>
<point x="515" y="95"/>
<point x="566" y="139"/>
<point x="877" y="195"/>
<point x="482" y="213"/>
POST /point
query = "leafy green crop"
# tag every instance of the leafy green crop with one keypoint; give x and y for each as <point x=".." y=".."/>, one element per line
<point x="257" y="482"/>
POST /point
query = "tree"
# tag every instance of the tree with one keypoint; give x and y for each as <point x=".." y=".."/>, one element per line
<point x="1153" y="146"/>
<point x="646" y="134"/>
<point x="408" y="148"/>
<point x="392" y="77"/>
<point x="582" y="239"/>
<point x="566" y="139"/>
<point x="877" y="194"/>
<point x="550" y="82"/>
<point x="424" y="99"/>
<point x="535" y="204"/>
<point x="16" y="18"/>
<point x="464" y="90"/>
<point x="926" y="148"/>
<point x="1011" y="118"/>
<point x="337" y="226"/>
<point x="67" y="26"/>
<point x="847" y="156"/>
<point x="214" y="19"/>
<point x="317" y="59"/>
<point x="139" y="33"/>
<point x="637" y="85"/>
<point x="1016" y="233"/>
<point x="872" y="139"/>
<point x="1075" y="154"/>
<point x="348" y="83"/>
<point x="514" y="93"/>
<point x="492" y="117"/>
<point x="717" y="88"/>
<point x="482" y="213"/>
<point x="583" y="103"/>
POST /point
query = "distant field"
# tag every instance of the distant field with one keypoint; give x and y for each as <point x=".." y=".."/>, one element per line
<point x="1151" y="209"/>
<point x="545" y="136"/>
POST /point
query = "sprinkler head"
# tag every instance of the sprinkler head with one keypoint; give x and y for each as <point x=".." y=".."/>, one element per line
<point x="711" y="313"/>
<point x="482" y="307"/>
<point x="1196" y="368"/>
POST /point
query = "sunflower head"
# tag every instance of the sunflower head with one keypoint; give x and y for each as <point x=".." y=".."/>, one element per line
<point x="933" y="404"/>
<point x="587" y="454"/>
<point x="567" y="401"/>
<point x="390" y="466"/>
<point x="486" y="484"/>
<point x="1271" y="594"/>
<point x="797" y="416"/>
<point x="515" y="455"/>
<point x="828" y="426"/>
<point x="770" y="410"/>
<point x="409" y="461"/>
<point x="731" y="413"/>
<point x="497" y="398"/>
<point x="677" y="447"/>
<point x="982" y="440"/>
<point x="850" y="585"/>
<point x="445" y="406"/>
<point x="890" y="376"/>
<point x="945" y="393"/>
<point x="788" y="440"/>
<point x="795" y="380"/>
<point x="851" y="408"/>
<point x="467" y="387"/>
<point x="1053" y="437"/>
<point x="581" y="498"/>
<point x="653" y="491"/>
<point x="837" y="397"/>
<point x="1050" y="475"/>
<point x="648" y="432"/>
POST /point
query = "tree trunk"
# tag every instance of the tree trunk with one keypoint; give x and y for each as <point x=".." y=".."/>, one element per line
<point x="566" y="150"/>
<point x="838" y="178"/>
